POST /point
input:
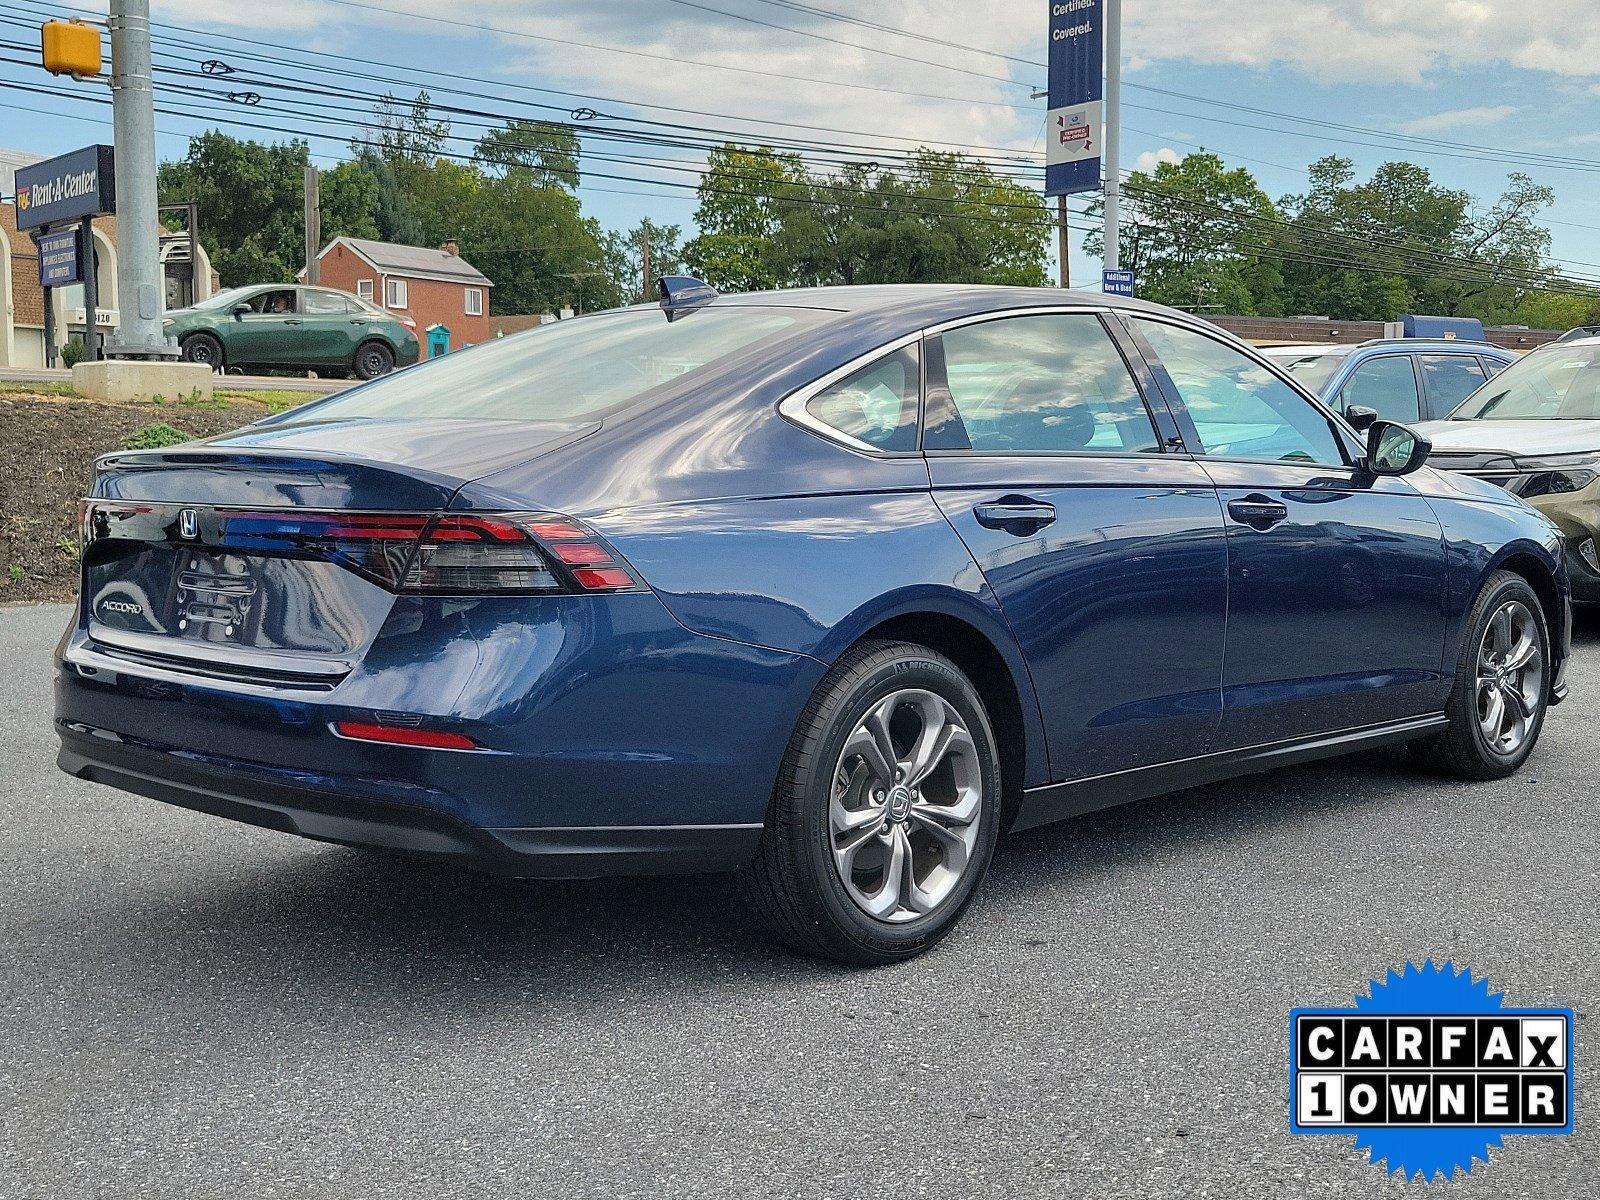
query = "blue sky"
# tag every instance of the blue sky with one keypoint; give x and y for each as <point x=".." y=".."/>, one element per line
<point x="1494" y="79"/>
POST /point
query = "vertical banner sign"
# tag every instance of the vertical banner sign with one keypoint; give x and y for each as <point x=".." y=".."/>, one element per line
<point x="1072" y="130"/>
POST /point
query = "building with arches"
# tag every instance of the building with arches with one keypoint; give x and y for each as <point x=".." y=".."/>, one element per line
<point x="22" y="315"/>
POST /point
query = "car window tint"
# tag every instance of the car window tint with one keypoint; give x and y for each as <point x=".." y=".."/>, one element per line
<point x="1239" y="408"/>
<point x="877" y="404"/>
<point x="1386" y="384"/>
<point x="1492" y="366"/>
<point x="1053" y="382"/>
<point x="1449" y="379"/>
<point x="324" y="303"/>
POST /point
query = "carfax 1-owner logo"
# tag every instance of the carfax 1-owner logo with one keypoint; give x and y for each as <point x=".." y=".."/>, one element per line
<point x="1430" y="1071"/>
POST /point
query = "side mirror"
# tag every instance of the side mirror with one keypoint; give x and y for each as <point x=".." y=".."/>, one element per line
<point x="1360" y="417"/>
<point x="239" y="310"/>
<point x="1392" y="449"/>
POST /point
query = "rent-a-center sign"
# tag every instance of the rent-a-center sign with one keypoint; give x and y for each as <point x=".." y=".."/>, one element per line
<point x="67" y="188"/>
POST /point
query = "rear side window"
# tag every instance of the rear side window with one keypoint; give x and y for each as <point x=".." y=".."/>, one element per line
<point x="324" y="303"/>
<point x="1387" y="385"/>
<point x="1239" y="408"/>
<point x="877" y="404"/>
<point x="1449" y="379"/>
<point x="1052" y="383"/>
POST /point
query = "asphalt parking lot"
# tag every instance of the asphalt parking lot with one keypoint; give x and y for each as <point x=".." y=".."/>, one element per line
<point x="192" y="1008"/>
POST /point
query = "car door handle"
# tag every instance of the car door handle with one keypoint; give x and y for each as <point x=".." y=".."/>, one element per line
<point x="292" y="321"/>
<point x="1015" y="514"/>
<point x="1258" y="512"/>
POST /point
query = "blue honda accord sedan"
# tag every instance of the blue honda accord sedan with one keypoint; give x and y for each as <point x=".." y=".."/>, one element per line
<point x="829" y="587"/>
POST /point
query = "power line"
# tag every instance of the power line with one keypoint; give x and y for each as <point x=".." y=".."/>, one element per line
<point x="822" y="37"/>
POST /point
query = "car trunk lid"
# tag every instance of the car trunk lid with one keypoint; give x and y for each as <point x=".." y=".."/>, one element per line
<point x="274" y="555"/>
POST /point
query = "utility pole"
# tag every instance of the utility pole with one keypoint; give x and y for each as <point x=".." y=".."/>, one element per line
<point x="139" y="287"/>
<point x="313" y="221"/>
<point x="1113" y="132"/>
<point x="1062" y="239"/>
<point x="644" y="289"/>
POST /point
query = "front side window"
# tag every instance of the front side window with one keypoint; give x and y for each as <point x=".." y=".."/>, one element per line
<point x="394" y="293"/>
<point x="1449" y="379"/>
<point x="1386" y="384"/>
<point x="279" y="302"/>
<point x="877" y="404"/>
<point x="1052" y="383"/>
<point x="1239" y="408"/>
<point x="1561" y="383"/>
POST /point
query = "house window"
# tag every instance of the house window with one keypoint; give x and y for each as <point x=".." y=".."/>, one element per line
<point x="474" y="302"/>
<point x="364" y="288"/>
<point x="394" y="293"/>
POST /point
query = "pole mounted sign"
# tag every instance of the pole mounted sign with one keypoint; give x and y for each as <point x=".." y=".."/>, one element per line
<point x="1077" y="55"/>
<point x="59" y="263"/>
<point x="67" y="188"/>
<point x="1116" y="283"/>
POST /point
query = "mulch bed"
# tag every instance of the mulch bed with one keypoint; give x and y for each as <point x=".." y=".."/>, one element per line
<point x="47" y="452"/>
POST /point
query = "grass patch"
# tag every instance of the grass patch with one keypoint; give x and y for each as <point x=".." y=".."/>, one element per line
<point x="154" y="437"/>
<point x="274" y="400"/>
<point x="39" y="388"/>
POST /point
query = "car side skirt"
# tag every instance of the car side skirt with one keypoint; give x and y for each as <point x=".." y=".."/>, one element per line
<point x="1059" y="801"/>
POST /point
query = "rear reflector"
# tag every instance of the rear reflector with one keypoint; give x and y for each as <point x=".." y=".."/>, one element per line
<point x="430" y="739"/>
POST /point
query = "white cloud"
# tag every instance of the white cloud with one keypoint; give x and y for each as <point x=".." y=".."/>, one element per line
<point x="1457" y="118"/>
<point x="1147" y="161"/>
<point x="703" y="61"/>
<point x="1369" y="40"/>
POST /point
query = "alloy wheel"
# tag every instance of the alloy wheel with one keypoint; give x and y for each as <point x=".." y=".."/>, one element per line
<point x="1510" y="678"/>
<point x="903" y="813"/>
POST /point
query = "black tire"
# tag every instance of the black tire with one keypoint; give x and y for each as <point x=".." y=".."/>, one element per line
<point x="1463" y="748"/>
<point x="372" y="360"/>
<point x="202" y="348"/>
<point x="793" y="883"/>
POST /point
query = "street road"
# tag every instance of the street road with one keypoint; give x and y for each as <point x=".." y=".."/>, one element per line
<point x="190" y="1008"/>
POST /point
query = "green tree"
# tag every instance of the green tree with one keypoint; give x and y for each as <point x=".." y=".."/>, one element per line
<point x="251" y="200"/>
<point x="743" y="196"/>
<point x="765" y="221"/>
<point x="625" y="258"/>
<point x="1411" y="245"/>
<point x="547" y="151"/>
<point x="1198" y="235"/>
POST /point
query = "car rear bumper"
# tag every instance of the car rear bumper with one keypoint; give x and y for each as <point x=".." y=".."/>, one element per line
<point x="346" y="811"/>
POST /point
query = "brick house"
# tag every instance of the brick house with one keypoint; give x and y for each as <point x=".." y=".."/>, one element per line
<point x="445" y="295"/>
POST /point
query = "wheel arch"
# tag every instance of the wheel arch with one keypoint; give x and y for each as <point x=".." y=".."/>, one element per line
<point x="1532" y="562"/>
<point x="1001" y="681"/>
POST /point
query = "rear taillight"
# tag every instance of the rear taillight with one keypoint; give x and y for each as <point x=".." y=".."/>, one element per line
<point x="447" y="553"/>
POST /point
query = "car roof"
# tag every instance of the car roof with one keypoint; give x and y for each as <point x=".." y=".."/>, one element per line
<point x="952" y="299"/>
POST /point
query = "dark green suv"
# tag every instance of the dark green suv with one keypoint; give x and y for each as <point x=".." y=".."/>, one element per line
<point x="285" y="326"/>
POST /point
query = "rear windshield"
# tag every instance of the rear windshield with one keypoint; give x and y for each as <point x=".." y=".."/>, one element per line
<point x="1561" y="383"/>
<point x="567" y="370"/>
